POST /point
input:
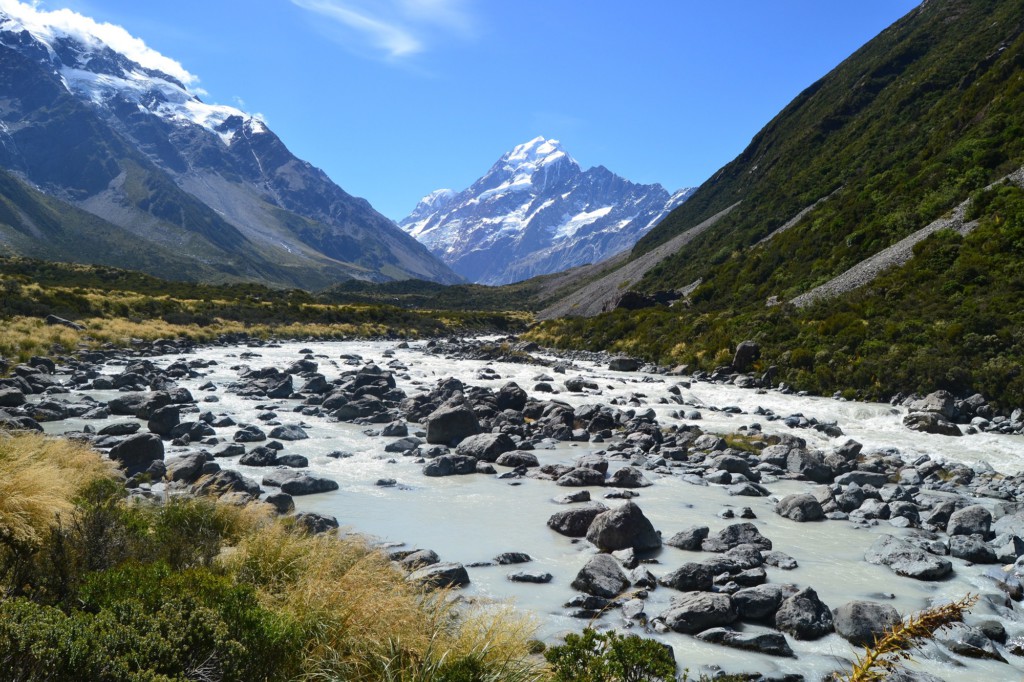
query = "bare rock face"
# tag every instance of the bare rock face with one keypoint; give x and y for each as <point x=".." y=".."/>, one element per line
<point x="623" y="527"/>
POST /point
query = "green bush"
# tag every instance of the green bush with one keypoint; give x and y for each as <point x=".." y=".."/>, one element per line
<point x="611" y="657"/>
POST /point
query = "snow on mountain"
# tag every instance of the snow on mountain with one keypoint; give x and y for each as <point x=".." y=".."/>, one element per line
<point x="536" y="211"/>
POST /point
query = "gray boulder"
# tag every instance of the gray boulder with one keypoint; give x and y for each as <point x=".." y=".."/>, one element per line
<point x="940" y="402"/>
<point x="624" y="363"/>
<point x="694" y="612"/>
<point x="972" y="520"/>
<point x="289" y="432"/>
<point x="11" y="397"/>
<point x="746" y="354"/>
<point x="450" y="424"/>
<point x="305" y="484"/>
<point x="437" y="576"/>
<point x="771" y="643"/>
<point x="629" y="477"/>
<point x="580" y="477"/>
<point x="574" y="523"/>
<point x="315" y="524"/>
<point x="518" y="458"/>
<point x="736" y="534"/>
<point x="930" y="422"/>
<point x="800" y="507"/>
<point x="689" y="538"/>
<point x="136" y="453"/>
<point x="971" y="548"/>
<point x="861" y="622"/>
<point x="968" y="641"/>
<point x="906" y="559"/>
<point x="761" y="601"/>
<point x="623" y="527"/>
<point x="690" y="577"/>
<point x="450" y="465"/>
<point x="804" y="616"/>
<point x="163" y="420"/>
<point x="249" y="433"/>
<point x="486" y="447"/>
<point x="186" y="469"/>
<point x="601" y="576"/>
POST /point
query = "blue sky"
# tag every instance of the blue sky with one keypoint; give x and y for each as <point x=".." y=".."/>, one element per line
<point x="396" y="98"/>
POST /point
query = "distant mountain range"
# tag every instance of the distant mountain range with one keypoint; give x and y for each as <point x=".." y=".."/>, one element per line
<point x="106" y="160"/>
<point x="535" y="212"/>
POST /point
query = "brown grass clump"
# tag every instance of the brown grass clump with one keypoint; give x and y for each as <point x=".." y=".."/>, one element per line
<point x="39" y="478"/>
<point x="893" y="649"/>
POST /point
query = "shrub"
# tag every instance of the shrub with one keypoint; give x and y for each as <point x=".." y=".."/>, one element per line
<point x="611" y="657"/>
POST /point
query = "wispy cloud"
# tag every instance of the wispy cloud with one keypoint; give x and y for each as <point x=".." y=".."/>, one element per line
<point x="396" y="28"/>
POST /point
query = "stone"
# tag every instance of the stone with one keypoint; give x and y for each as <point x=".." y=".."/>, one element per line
<point x="940" y="402"/>
<point x="694" y="612"/>
<point x="580" y="477"/>
<point x="689" y="538"/>
<point x="624" y="363"/>
<point x="120" y="429"/>
<point x="536" y="577"/>
<point x="690" y="577"/>
<point x="511" y="397"/>
<point x="761" y="601"/>
<point x="136" y="453"/>
<point x="304" y="484"/>
<point x="419" y="559"/>
<point x="804" y="616"/>
<point x="259" y="457"/>
<point x="800" y="507"/>
<point x="971" y="520"/>
<point x="450" y="465"/>
<point x="601" y="576"/>
<point x="930" y="422"/>
<point x="906" y="559"/>
<point x="735" y="534"/>
<point x="281" y="502"/>
<point x="225" y="482"/>
<point x="450" y="424"/>
<point x="186" y="469"/>
<point x="629" y="477"/>
<point x="518" y="458"/>
<point x="971" y="548"/>
<point x="441" y="575"/>
<point x="746" y="354"/>
<point x="314" y="523"/>
<point x="771" y="643"/>
<point x="862" y="478"/>
<point x="289" y="432"/>
<point x="486" y="447"/>
<point x="574" y="523"/>
<point x="249" y="433"/>
<point x="507" y="558"/>
<point x="623" y="527"/>
<point x="969" y="641"/>
<point x="861" y="622"/>
<point x="163" y="420"/>
<point x="11" y="397"/>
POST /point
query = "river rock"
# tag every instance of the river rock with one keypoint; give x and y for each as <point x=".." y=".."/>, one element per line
<point x="186" y="469"/>
<point x="305" y="484"/>
<point x="574" y="523"/>
<point x="120" y="429"/>
<point x="11" y="397"/>
<point x="736" y="534"/>
<point x="971" y="520"/>
<point x="136" y="453"/>
<point x="314" y="523"/>
<point x="447" y="574"/>
<point x="968" y="641"/>
<point x="694" y="612"/>
<point x="580" y="477"/>
<point x="629" y="477"/>
<point x="624" y="363"/>
<point x="518" y="458"/>
<point x="761" y="601"/>
<point x="450" y="465"/>
<point x="971" y="548"/>
<point x="623" y="527"/>
<point x="289" y="432"/>
<point x="536" y="577"/>
<point x="906" y="559"/>
<point x="224" y="482"/>
<point x="771" y="643"/>
<point x="746" y="354"/>
<point x="249" y="433"/>
<point x="450" y="424"/>
<point x="486" y="447"/>
<point x="804" y="616"/>
<point x="419" y="559"/>
<point x="259" y="457"/>
<point x="930" y="422"/>
<point x="940" y="402"/>
<point x="281" y="502"/>
<point x="690" y="577"/>
<point x="511" y="397"/>
<point x="689" y="538"/>
<point x="860" y="622"/>
<point x="163" y="420"/>
<point x="601" y="576"/>
<point x="800" y="507"/>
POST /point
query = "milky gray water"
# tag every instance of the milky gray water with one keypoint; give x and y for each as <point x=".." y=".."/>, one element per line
<point x="473" y="518"/>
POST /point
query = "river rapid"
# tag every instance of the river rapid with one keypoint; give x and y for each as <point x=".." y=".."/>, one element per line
<point x="473" y="518"/>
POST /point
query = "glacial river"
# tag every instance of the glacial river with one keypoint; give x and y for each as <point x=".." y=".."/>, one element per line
<point x="473" y="518"/>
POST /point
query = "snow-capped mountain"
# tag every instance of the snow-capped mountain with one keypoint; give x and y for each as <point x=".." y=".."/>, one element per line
<point x="536" y="212"/>
<point x="104" y="142"/>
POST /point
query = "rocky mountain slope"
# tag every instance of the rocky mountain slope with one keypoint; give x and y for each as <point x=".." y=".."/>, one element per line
<point x="535" y="212"/>
<point x="113" y="161"/>
<point x="878" y="163"/>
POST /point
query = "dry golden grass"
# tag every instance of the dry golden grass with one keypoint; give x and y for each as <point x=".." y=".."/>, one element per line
<point x="367" y="622"/>
<point x="39" y="478"/>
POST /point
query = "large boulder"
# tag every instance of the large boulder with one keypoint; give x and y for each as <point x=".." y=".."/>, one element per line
<point x="906" y="559"/>
<point x="629" y="477"/>
<point x="136" y="453"/>
<point x="689" y="538"/>
<point x="746" y="354"/>
<point x="861" y="622"/>
<point x="800" y="507"/>
<point x="450" y="465"/>
<point x="486" y="447"/>
<point x="580" y="477"/>
<point x="304" y="484"/>
<point x="11" y="397"/>
<point x="249" y="433"/>
<point x="518" y="458"/>
<point x="972" y="520"/>
<point x="574" y="523"/>
<point x="694" y="612"/>
<point x="804" y="616"/>
<point x="761" y="601"/>
<point x="450" y="424"/>
<point x="511" y="397"/>
<point x="690" y="577"/>
<point x="289" y="432"/>
<point x="163" y="420"/>
<point x="624" y="363"/>
<point x="621" y="528"/>
<point x="931" y="422"/>
<point x="940" y="402"/>
<point x="771" y="643"/>
<point x="968" y="641"/>
<point x="601" y="576"/>
<point x="186" y="469"/>
<point x="736" y="534"/>
<point x="446" y="574"/>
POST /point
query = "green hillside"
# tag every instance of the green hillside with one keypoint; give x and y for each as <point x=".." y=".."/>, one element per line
<point x="915" y="122"/>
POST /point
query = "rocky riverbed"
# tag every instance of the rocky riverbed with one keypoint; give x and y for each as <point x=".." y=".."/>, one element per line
<point x="752" y="530"/>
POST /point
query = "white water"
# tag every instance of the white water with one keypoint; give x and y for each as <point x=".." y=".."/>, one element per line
<point x="473" y="518"/>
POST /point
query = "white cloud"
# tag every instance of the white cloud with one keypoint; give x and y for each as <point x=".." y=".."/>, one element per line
<point x="50" y="24"/>
<point x="399" y="28"/>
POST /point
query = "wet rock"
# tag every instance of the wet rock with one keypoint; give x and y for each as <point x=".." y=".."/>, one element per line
<point x="940" y="402"/>
<point x="804" y="616"/>
<point x="186" y="469"/>
<point x="574" y="523"/>
<point x="761" y="601"/>
<point x="441" y="575"/>
<point x="136" y="453"/>
<point x="519" y="458"/>
<point x="736" y="534"/>
<point x="249" y="433"/>
<point x="623" y="527"/>
<point x="689" y="538"/>
<point x="779" y="560"/>
<point x="690" y="577"/>
<point x="968" y="641"/>
<point x="486" y="447"/>
<point x="448" y="425"/>
<point x="601" y="576"/>
<point x="570" y="498"/>
<point x="511" y="397"/>
<point x="314" y="523"/>
<point x="450" y="465"/>
<point x="629" y="477"/>
<point x="624" y="363"/>
<point x="259" y="457"/>
<point x="305" y="484"/>
<point x="906" y="559"/>
<point x="930" y="422"/>
<point x="580" y="477"/>
<point x="971" y="520"/>
<point x="289" y="432"/>
<point x="770" y="643"/>
<point x="536" y="577"/>
<point x="508" y="558"/>
<point x="163" y="420"/>
<point x="694" y="612"/>
<point x="971" y="548"/>
<point x="293" y="461"/>
<point x="120" y="429"/>
<point x="860" y="622"/>
<point x="810" y="465"/>
<point x="11" y="397"/>
<point x="224" y="482"/>
<point x="419" y="559"/>
<point x="800" y="507"/>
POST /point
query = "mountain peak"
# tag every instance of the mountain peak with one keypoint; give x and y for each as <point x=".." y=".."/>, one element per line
<point x="531" y="155"/>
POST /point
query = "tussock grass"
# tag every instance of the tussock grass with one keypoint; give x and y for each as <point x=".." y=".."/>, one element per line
<point x="39" y="478"/>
